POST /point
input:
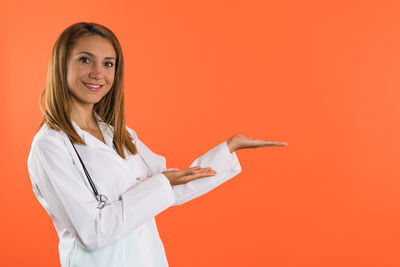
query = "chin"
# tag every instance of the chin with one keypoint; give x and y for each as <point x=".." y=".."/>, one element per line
<point x="86" y="101"/>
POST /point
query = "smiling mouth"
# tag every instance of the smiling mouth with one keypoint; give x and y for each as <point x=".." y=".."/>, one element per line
<point x="93" y="87"/>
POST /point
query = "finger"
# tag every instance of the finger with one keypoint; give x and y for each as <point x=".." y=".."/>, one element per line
<point x="278" y="144"/>
<point x="205" y="173"/>
<point x="205" y="169"/>
<point x="189" y="170"/>
<point x="262" y="143"/>
<point x="272" y="143"/>
<point x="201" y="169"/>
<point x="195" y="167"/>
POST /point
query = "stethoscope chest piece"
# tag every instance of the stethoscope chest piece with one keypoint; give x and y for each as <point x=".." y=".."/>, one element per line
<point x="102" y="201"/>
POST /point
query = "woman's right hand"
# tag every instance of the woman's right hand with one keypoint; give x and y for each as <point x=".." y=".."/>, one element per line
<point x="187" y="175"/>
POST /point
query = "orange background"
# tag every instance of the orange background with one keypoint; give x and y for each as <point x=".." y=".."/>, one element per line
<point x="322" y="76"/>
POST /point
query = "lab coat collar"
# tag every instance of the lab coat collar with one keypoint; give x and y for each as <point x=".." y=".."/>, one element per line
<point x="106" y="130"/>
<point x="154" y="162"/>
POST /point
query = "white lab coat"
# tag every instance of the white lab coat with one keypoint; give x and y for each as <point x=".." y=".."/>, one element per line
<point x="124" y="232"/>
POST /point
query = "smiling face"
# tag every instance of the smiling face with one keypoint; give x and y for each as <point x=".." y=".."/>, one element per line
<point x="90" y="69"/>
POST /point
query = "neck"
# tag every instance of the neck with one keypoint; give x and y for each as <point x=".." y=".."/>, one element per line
<point x="83" y="115"/>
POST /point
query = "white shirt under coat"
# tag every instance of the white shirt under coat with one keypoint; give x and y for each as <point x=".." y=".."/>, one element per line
<point x="124" y="232"/>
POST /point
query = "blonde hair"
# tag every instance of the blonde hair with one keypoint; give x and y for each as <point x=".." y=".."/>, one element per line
<point x="55" y="98"/>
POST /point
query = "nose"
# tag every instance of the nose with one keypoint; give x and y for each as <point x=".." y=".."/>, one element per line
<point x="96" y="71"/>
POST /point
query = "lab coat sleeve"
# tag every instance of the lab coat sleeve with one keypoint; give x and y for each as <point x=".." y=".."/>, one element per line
<point x="61" y="189"/>
<point x="219" y="158"/>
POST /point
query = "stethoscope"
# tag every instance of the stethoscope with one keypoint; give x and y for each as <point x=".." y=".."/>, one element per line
<point x="102" y="199"/>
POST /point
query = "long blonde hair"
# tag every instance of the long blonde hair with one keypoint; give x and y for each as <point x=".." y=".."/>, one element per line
<point x="55" y="98"/>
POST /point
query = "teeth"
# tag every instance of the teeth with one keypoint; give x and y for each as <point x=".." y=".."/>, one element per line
<point x="94" y="86"/>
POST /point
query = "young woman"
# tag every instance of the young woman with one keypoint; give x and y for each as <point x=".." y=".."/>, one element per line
<point x="99" y="183"/>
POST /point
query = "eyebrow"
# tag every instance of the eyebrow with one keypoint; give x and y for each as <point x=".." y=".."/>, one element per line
<point x="90" y="54"/>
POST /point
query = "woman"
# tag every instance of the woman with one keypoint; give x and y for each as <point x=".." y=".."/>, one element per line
<point x="99" y="183"/>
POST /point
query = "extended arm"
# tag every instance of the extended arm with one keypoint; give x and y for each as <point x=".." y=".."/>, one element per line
<point x="224" y="161"/>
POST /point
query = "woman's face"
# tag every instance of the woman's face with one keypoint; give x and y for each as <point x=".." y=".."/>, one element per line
<point x="90" y="62"/>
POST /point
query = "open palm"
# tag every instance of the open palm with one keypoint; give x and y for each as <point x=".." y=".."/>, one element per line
<point x="239" y="141"/>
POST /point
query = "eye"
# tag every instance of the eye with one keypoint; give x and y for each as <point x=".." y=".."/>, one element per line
<point x="111" y="64"/>
<point x="80" y="59"/>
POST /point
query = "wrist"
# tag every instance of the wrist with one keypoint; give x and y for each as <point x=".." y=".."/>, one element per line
<point x="231" y="145"/>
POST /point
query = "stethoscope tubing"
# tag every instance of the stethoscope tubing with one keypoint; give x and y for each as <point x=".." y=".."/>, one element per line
<point x="102" y="199"/>
<point x="86" y="172"/>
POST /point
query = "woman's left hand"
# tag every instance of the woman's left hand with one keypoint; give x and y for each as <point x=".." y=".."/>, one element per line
<point x="239" y="141"/>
